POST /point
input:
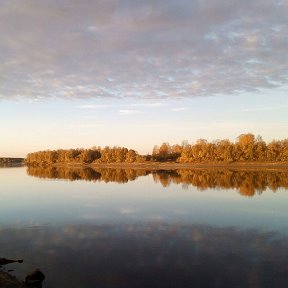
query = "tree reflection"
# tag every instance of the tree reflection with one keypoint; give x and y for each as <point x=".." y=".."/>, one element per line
<point x="88" y="174"/>
<point x="248" y="183"/>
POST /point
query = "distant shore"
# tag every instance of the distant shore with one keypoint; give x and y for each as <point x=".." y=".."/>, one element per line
<point x="176" y="166"/>
<point x="11" y="162"/>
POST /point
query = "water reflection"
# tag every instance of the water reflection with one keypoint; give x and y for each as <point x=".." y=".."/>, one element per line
<point x="88" y="174"/>
<point x="248" y="183"/>
<point x="11" y="165"/>
<point x="153" y="255"/>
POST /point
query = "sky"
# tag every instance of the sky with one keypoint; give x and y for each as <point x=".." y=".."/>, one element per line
<point x="134" y="73"/>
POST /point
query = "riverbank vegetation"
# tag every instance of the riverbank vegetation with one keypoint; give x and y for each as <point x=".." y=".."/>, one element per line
<point x="6" y="161"/>
<point x="246" y="148"/>
<point x="84" y="156"/>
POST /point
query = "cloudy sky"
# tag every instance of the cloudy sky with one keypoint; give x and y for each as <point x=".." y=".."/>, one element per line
<point x="136" y="73"/>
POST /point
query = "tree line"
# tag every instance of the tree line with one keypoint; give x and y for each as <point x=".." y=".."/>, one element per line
<point x="7" y="161"/>
<point x="247" y="147"/>
<point x="84" y="156"/>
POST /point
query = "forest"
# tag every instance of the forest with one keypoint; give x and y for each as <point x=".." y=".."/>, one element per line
<point x="84" y="156"/>
<point x="246" y="148"/>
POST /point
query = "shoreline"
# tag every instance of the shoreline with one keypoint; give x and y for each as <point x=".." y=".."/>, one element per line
<point x="177" y="166"/>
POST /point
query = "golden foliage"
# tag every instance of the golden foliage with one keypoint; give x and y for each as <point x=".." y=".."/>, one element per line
<point x="246" y="148"/>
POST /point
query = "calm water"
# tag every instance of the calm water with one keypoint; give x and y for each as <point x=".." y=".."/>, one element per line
<point x="127" y="228"/>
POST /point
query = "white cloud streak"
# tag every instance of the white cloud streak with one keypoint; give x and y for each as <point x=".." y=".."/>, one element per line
<point x="180" y="109"/>
<point x="93" y="106"/>
<point x="265" y="109"/>
<point x="157" y="104"/>
<point x="129" y="112"/>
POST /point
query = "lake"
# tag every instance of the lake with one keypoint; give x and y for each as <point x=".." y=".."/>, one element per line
<point x="139" y="228"/>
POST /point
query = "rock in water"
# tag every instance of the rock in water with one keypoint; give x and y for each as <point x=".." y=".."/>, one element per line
<point x="34" y="278"/>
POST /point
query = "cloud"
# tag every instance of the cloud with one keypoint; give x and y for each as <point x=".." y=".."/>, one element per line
<point x="129" y="112"/>
<point x="264" y="109"/>
<point x="136" y="49"/>
<point x="127" y="211"/>
<point x="85" y="125"/>
<point x="180" y="109"/>
<point x="156" y="104"/>
<point x="93" y="106"/>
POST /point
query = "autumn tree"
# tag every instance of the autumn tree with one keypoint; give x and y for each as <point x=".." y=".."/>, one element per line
<point x="130" y="156"/>
<point x="88" y="156"/>
<point x="246" y="144"/>
<point x="224" y="151"/>
<point x="155" y="151"/>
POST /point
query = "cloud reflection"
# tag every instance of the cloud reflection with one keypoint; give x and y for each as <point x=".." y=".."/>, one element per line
<point x="154" y="254"/>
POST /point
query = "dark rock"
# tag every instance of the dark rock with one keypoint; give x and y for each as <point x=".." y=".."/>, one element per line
<point x="34" y="278"/>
